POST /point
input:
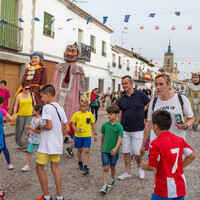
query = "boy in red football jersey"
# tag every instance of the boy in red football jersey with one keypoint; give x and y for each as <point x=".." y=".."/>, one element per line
<point x="165" y="158"/>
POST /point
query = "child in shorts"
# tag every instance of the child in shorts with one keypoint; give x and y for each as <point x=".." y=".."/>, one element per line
<point x="33" y="136"/>
<point x="81" y="122"/>
<point x="51" y="143"/>
<point x="165" y="158"/>
<point x="112" y="133"/>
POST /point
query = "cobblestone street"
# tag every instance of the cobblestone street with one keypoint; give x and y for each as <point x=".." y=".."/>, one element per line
<point x="20" y="185"/>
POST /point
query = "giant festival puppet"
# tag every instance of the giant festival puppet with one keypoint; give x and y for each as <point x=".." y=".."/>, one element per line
<point x="69" y="80"/>
<point x="193" y="94"/>
<point x="35" y="75"/>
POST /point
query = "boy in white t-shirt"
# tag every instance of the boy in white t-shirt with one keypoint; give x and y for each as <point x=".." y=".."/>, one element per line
<point x="51" y="144"/>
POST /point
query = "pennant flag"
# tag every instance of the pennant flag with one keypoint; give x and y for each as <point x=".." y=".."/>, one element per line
<point x="105" y="19"/>
<point x="3" y="22"/>
<point x="141" y="27"/>
<point x="189" y="27"/>
<point x="157" y="28"/>
<point x="177" y="13"/>
<point x="196" y="64"/>
<point x="60" y="28"/>
<point x="52" y="21"/>
<point x="69" y="19"/>
<point x="21" y="20"/>
<point x="152" y="14"/>
<point x="36" y="19"/>
<point x="162" y="63"/>
<point x="176" y="63"/>
<point x="189" y="63"/>
<point x="149" y="63"/>
<point x="136" y="63"/>
<point x="125" y="28"/>
<point x="88" y="20"/>
<point x="147" y="76"/>
<point x="156" y="63"/>
<point x="74" y="29"/>
<point x="182" y="63"/>
<point x="173" y="28"/>
<point x="168" y="63"/>
<point x="143" y="63"/>
<point x="126" y="19"/>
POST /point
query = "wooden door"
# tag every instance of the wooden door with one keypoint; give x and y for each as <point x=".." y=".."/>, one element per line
<point x="50" y="66"/>
<point x="10" y="73"/>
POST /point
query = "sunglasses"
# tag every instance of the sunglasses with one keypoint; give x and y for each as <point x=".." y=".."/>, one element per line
<point x="195" y="77"/>
<point x="27" y="88"/>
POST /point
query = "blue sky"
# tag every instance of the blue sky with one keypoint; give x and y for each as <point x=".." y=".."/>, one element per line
<point x="149" y="42"/>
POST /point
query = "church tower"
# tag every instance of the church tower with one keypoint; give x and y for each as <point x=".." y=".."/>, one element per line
<point x="168" y="66"/>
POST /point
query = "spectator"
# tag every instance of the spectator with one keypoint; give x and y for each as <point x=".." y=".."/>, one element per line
<point x="6" y="95"/>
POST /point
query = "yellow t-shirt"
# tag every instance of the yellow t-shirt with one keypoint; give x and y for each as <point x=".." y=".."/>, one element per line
<point x="25" y="106"/>
<point x="83" y="121"/>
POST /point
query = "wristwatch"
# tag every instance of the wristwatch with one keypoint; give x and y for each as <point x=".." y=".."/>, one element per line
<point x="186" y="127"/>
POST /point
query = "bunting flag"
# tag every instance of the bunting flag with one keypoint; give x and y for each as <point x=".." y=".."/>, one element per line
<point x="105" y="19"/>
<point x="147" y="76"/>
<point x="178" y="13"/>
<point x="51" y="22"/>
<point x="60" y="28"/>
<point x="125" y="28"/>
<point x="69" y="19"/>
<point x="88" y="20"/>
<point x="136" y="63"/>
<point x="74" y="29"/>
<point x="152" y="15"/>
<point x="196" y="64"/>
<point x="173" y="28"/>
<point x="21" y="20"/>
<point x="157" y="28"/>
<point x="141" y="27"/>
<point x="126" y="19"/>
<point x="143" y="63"/>
<point x="168" y="63"/>
<point x="189" y="63"/>
<point x="156" y="63"/>
<point x="3" y="22"/>
<point x="36" y="19"/>
<point x="189" y="27"/>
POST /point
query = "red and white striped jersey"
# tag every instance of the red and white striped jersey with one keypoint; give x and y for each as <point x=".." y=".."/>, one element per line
<point x="166" y="156"/>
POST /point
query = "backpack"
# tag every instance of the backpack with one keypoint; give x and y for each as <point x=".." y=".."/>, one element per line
<point x="179" y="98"/>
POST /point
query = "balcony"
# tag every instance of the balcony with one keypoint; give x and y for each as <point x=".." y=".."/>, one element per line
<point x="10" y="36"/>
<point x="93" y="50"/>
<point x="114" y="64"/>
<point x="85" y="51"/>
<point x="103" y="54"/>
<point x="48" y="33"/>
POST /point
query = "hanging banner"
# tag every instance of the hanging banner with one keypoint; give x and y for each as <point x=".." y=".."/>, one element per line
<point x="105" y="19"/>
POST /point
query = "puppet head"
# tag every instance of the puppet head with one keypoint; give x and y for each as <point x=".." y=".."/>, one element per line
<point x="36" y="59"/>
<point x="195" y="78"/>
<point x="71" y="53"/>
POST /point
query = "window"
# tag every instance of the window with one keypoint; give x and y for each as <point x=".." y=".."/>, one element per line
<point x="87" y="81"/>
<point x="48" y="25"/>
<point x="80" y="37"/>
<point x="119" y="87"/>
<point x="113" y="84"/>
<point x="128" y="65"/>
<point x="93" y="43"/>
<point x="101" y="85"/>
<point x="114" y="60"/>
<point x="136" y="73"/>
<point x="120" y="62"/>
<point x="103" y="53"/>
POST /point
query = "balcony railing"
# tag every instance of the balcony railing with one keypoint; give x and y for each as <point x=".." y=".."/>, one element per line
<point x="85" y="51"/>
<point x="10" y="36"/>
<point x="114" y="64"/>
<point x="48" y="32"/>
<point x="93" y="50"/>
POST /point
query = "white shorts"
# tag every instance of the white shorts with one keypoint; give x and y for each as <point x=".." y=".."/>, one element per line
<point x="132" y="141"/>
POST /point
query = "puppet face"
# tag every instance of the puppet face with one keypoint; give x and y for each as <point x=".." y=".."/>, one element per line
<point x="195" y="78"/>
<point x="71" y="54"/>
<point x="35" y="60"/>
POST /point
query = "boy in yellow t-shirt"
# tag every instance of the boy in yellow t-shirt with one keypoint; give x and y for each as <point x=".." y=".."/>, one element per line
<point x="83" y="120"/>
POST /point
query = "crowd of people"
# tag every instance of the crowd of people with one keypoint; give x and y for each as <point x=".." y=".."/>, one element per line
<point x="134" y="117"/>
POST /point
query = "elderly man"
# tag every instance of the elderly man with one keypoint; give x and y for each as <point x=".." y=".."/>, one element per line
<point x="132" y="105"/>
<point x="68" y="80"/>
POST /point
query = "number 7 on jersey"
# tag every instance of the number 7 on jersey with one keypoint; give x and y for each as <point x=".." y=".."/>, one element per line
<point x="176" y="150"/>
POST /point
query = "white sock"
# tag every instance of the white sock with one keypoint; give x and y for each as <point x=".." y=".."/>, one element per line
<point x="60" y="198"/>
<point x="47" y="197"/>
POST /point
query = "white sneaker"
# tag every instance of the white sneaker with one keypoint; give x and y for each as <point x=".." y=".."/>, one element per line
<point x="10" y="166"/>
<point x="141" y="174"/>
<point x="25" y="168"/>
<point x="124" y="176"/>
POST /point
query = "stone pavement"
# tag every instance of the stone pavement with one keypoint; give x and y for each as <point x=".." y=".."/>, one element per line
<point x="20" y="185"/>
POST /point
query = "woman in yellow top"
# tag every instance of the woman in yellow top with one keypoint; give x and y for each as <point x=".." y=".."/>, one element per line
<point x="25" y="101"/>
